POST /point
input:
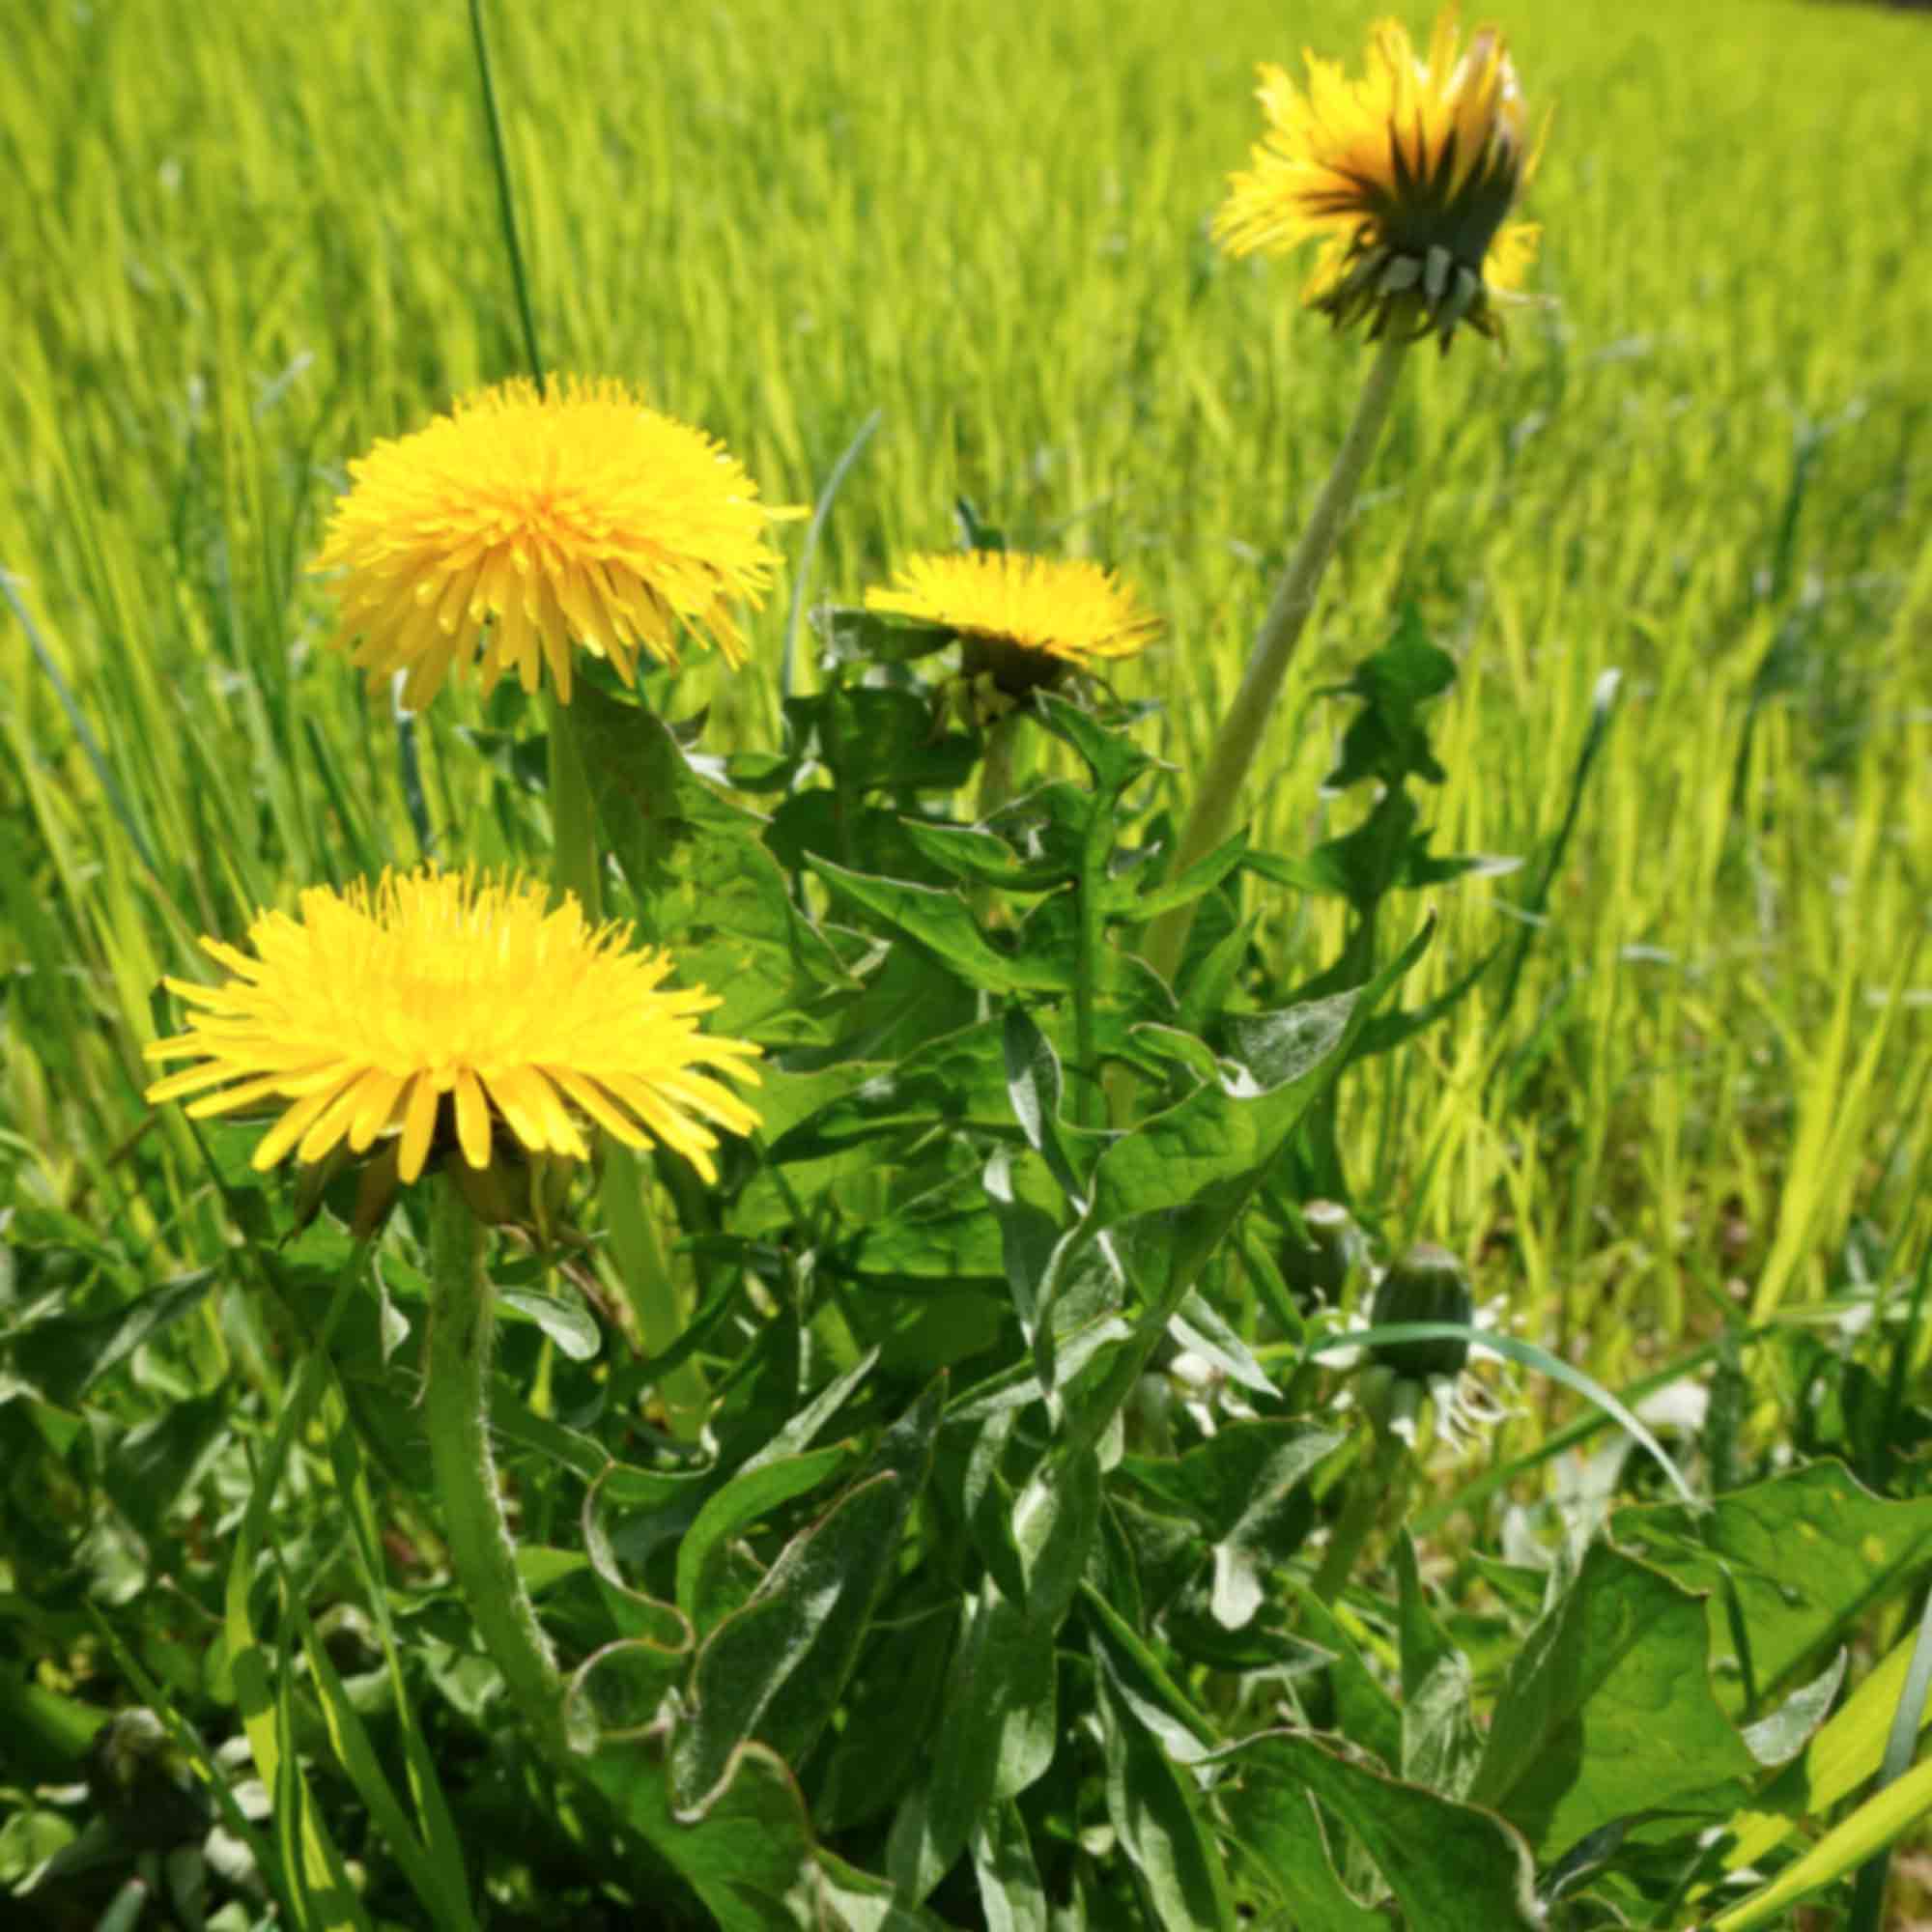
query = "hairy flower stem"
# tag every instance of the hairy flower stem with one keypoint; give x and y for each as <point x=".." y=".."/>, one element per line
<point x="577" y="863"/>
<point x="1240" y="733"/>
<point x="637" y="1262"/>
<point x="996" y="766"/>
<point x="456" y="1408"/>
<point x="643" y="1276"/>
<point x="1379" y="1487"/>
<point x="996" y="788"/>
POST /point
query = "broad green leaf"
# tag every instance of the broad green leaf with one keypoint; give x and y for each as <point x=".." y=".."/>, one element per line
<point x="1275" y="1835"/>
<point x="1452" y="1867"/>
<point x="1156" y="1810"/>
<point x="1011" y="1894"/>
<point x="617" y="1694"/>
<point x="1125" y="896"/>
<point x="1809" y="1553"/>
<point x="857" y="1901"/>
<point x="794" y="1640"/>
<point x="935" y="1244"/>
<point x="1244" y="1485"/>
<point x="1441" y="1744"/>
<point x="974" y="856"/>
<point x="1199" y="1327"/>
<point x="1777" y="1737"/>
<point x="1055" y="1520"/>
<point x="853" y="635"/>
<point x="62" y="1358"/>
<point x="1365" y="1714"/>
<point x="1110" y="753"/>
<point x="1609" y="1712"/>
<point x="562" y="1316"/>
<point x="1205" y="1152"/>
<point x="751" y="1494"/>
<point x="997" y="1727"/>
<point x="956" y="1079"/>
<point x="774" y="1668"/>
<point x="746" y="1850"/>
<point x="942" y="922"/>
<point x="1031" y="1248"/>
<point x="1035" y="1088"/>
<point x="890" y="1719"/>
<point x="1163" y="1708"/>
<point x="1386" y="739"/>
<point x="704" y="884"/>
<point x="874" y="738"/>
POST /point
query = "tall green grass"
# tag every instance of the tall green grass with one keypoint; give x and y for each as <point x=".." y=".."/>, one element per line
<point x="245" y="244"/>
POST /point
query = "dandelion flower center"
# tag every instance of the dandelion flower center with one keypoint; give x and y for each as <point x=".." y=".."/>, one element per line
<point x="371" y="1012"/>
<point x="519" y="523"/>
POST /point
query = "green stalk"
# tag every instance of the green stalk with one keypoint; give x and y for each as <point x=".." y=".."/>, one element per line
<point x="644" y="1278"/>
<point x="996" y="766"/>
<point x="1086" y="1087"/>
<point x="1240" y="733"/>
<point x="576" y="859"/>
<point x="1369" y="1493"/>
<point x="456" y="1408"/>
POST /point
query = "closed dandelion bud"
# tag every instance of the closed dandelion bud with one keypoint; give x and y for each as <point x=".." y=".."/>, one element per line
<point x="1330" y="1247"/>
<point x="1428" y="1283"/>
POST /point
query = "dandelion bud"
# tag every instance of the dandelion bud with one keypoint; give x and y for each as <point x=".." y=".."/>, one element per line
<point x="1428" y="1283"/>
<point x="1330" y="1248"/>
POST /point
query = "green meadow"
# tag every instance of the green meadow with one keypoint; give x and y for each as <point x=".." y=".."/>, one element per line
<point x="243" y="253"/>
<point x="1683" y="523"/>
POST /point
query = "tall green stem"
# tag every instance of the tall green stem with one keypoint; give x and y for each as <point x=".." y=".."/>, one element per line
<point x="575" y="860"/>
<point x="996" y="766"/>
<point x="456" y="1410"/>
<point x="643" y="1276"/>
<point x="1240" y="733"/>
<point x="1377" y="1491"/>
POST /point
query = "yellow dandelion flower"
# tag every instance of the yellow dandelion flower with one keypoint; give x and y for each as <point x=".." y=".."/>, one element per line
<point x="1025" y="620"/>
<point x="1407" y="176"/>
<point x="438" y="1007"/>
<point x="520" y="522"/>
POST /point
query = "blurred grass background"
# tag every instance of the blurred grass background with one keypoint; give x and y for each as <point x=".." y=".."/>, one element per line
<point x="239" y="246"/>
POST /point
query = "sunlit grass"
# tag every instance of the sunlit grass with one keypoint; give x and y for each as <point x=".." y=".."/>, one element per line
<point x="239" y="255"/>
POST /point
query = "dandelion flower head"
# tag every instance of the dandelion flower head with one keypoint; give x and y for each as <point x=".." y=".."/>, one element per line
<point x="437" y="1006"/>
<point x="520" y="522"/>
<point x="1025" y="619"/>
<point x="1406" y="176"/>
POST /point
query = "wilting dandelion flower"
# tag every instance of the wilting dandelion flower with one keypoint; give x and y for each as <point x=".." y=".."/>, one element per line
<point x="438" y="1007"/>
<point x="520" y="522"/>
<point x="1024" y="620"/>
<point x="1407" y="175"/>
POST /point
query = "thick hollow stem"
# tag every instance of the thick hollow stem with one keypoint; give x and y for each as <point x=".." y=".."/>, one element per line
<point x="996" y="766"/>
<point x="456" y="1411"/>
<point x="644" y="1278"/>
<point x="577" y="865"/>
<point x="1240" y="733"/>
<point x="1376" y="1491"/>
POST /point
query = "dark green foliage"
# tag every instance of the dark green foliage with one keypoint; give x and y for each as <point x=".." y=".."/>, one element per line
<point x="997" y="1591"/>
